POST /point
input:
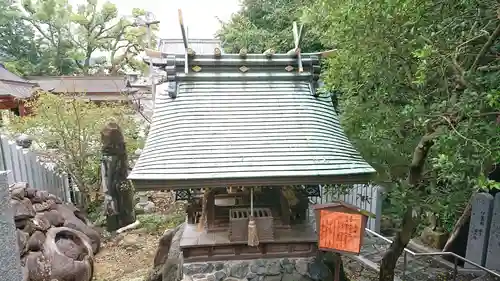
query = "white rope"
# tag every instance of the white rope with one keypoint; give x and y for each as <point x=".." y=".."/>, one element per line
<point x="251" y="201"/>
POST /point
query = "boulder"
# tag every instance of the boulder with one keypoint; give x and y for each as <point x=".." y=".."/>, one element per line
<point x="54" y="218"/>
<point x="30" y="192"/>
<point x="70" y="248"/>
<point x="22" y="209"/>
<point x="18" y="191"/>
<point x="29" y="227"/>
<point x="36" y="240"/>
<point x="48" y="250"/>
<point x="41" y="222"/>
<point x="40" y="196"/>
<point x="22" y="239"/>
<point x="167" y="257"/>
<point x="71" y="221"/>
<point x="63" y="267"/>
<point x="38" y="266"/>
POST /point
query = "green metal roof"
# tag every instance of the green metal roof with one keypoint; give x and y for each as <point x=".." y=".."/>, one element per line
<point x="245" y="121"/>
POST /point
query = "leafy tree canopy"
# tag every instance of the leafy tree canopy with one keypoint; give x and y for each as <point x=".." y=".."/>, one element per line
<point x="67" y="129"/>
<point x="417" y="82"/>
<point x="65" y="40"/>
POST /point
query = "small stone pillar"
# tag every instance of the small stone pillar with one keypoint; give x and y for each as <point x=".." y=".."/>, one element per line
<point x="10" y="261"/>
<point x="493" y="254"/>
<point x="479" y="230"/>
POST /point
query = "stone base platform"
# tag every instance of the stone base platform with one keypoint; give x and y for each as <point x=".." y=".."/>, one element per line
<point x="284" y="269"/>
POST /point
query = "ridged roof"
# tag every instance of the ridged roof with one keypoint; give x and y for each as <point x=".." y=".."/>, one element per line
<point x="262" y="127"/>
<point x="13" y="85"/>
<point x="81" y="84"/>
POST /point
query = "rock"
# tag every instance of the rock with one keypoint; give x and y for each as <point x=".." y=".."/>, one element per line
<point x="29" y="227"/>
<point x="258" y="267"/>
<point x="239" y="269"/>
<point x="39" y="268"/>
<point x="40" y="207"/>
<point x="18" y="191"/>
<point x="41" y="222"/>
<point x="272" y="278"/>
<point x="54" y="218"/>
<point x="22" y="240"/>
<point x="302" y="267"/>
<point x="71" y="221"/>
<point x="30" y="192"/>
<point x="130" y="242"/>
<point x="219" y="266"/>
<point x="164" y="246"/>
<point x="171" y="270"/>
<point x="294" y="277"/>
<point x="70" y="249"/>
<point x="219" y="275"/>
<point x="36" y="240"/>
<point x="197" y="268"/>
<point x="62" y="266"/>
<point x="145" y="207"/>
<point x="40" y="196"/>
<point x="434" y="239"/>
<point x="273" y="268"/>
<point x="54" y="198"/>
<point x="22" y="209"/>
<point x="20" y="224"/>
<point x="288" y="266"/>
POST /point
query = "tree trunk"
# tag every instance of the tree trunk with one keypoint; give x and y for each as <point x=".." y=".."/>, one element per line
<point x="461" y="222"/>
<point x="119" y="193"/>
<point x="411" y="215"/>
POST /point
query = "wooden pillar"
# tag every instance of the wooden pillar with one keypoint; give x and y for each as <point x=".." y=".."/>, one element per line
<point x="21" y="107"/>
<point x="210" y="209"/>
<point x="285" y="208"/>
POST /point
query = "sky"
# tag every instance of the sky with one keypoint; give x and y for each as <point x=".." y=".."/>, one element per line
<point x="199" y="15"/>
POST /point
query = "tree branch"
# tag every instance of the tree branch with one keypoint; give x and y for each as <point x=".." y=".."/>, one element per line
<point x="486" y="47"/>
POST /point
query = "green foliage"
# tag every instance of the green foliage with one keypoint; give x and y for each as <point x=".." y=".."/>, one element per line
<point x="104" y="30"/>
<point x="18" y="50"/>
<point x="67" y="129"/>
<point x="413" y="70"/>
<point x="50" y="37"/>
<point x="403" y="70"/>
<point x="264" y="24"/>
<point x="157" y="224"/>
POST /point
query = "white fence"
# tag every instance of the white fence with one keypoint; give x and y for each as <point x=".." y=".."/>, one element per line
<point x="25" y="166"/>
<point x="364" y="196"/>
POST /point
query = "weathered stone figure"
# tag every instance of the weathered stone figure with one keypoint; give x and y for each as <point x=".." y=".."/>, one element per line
<point x="119" y="194"/>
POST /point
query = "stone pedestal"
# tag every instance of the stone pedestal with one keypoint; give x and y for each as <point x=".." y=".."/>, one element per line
<point x="479" y="230"/>
<point x="286" y="269"/>
<point x="10" y="269"/>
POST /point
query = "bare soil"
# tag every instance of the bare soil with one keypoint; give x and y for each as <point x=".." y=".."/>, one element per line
<point x="129" y="256"/>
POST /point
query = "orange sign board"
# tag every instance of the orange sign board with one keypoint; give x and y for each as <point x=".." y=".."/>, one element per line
<point x="340" y="231"/>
